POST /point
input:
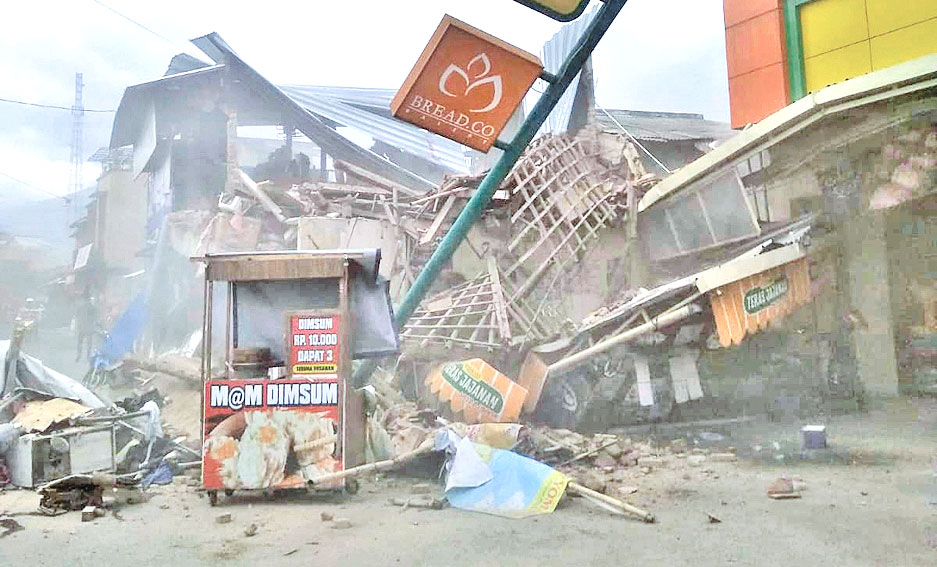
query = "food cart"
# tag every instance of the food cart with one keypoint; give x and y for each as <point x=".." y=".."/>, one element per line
<point x="278" y="410"/>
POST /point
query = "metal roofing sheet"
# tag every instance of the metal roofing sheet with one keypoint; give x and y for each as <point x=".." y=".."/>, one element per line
<point x="137" y="97"/>
<point x="664" y="126"/>
<point x="376" y="100"/>
<point x="307" y="121"/>
<point x="336" y="105"/>
<point x="555" y="52"/>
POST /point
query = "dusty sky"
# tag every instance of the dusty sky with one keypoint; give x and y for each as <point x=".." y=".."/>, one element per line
<point x="658" y="55"/>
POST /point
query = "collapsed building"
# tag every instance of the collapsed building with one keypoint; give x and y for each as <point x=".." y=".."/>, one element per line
<point x="560" y="259"/>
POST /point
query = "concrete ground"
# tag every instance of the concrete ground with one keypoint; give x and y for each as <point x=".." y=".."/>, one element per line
<point x="871" y="499"/>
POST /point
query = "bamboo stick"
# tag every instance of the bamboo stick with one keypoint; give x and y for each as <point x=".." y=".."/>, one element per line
<point x="588" y="453"/>
<point x="577" y="488"/>
<point x="317" y="443"/>
<point x="424" y="448"/>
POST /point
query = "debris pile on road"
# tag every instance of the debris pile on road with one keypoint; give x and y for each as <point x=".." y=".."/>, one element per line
<point x="602" y="467"/>
<point x="75" y="448"/>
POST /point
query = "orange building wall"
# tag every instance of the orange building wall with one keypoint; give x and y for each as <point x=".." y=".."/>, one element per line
<point x="758" y="83"/>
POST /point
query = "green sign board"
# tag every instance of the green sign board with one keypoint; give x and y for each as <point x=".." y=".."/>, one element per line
<point x="562" y="10"/>
<point x="480" y="392"/>
<point x="758" y="298"/>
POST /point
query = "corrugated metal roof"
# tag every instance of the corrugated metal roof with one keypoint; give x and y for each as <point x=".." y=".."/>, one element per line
<point x="308" y="122"/>
<point x="112" y="154"/>
<point x="375" y="100"/>
<point x="368" y="110"/>
<point x="555" y="52"/>
<point x="664" y="126"/>
<point x="137" y="98"/>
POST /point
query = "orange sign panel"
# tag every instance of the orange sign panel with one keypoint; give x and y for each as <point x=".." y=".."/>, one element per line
<point x="466" y="85"/>
<point x="748" y="305"/>
<point x="476" y="392"/>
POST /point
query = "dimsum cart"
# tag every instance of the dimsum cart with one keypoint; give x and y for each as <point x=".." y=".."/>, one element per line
<point x="278" y="410"/>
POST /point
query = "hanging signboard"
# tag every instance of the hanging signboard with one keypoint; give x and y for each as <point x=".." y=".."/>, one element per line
<point x="561" y="10"/>
<point x="466" y="85"/>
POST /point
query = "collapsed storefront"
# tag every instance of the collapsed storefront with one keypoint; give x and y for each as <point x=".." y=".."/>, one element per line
<point x="860" y="156"/>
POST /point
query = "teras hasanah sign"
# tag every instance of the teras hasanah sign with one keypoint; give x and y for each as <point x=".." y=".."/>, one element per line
<point x="759" y="298"/>
<point x="477" y="391"/>
<point x="466" y="85"/>
<point x="561" y="10"/>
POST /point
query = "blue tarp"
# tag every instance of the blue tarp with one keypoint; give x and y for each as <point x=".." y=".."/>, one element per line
<point x="125" y="332"/>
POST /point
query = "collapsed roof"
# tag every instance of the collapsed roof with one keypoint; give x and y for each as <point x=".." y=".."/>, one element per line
<point x="147" y="110"/>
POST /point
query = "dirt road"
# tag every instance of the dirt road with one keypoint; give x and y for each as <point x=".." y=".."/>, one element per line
<point x="870" y="500"/>
<point x="849" y="515"/>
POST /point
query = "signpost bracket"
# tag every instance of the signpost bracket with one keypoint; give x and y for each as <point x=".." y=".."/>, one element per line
<point x="548" y="76"/>
<point x="501" y="145"/>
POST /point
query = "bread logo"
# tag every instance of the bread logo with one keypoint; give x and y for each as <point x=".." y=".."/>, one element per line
<point x="479" y="67"/>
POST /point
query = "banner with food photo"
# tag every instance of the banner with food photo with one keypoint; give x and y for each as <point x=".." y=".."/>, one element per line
<point x="269" y="433"/>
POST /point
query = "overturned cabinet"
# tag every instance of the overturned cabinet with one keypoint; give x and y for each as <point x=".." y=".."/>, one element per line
<point x="281" y="411"/>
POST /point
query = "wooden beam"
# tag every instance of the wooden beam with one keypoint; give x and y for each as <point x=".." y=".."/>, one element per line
<point x="374" y="178"/>
<point x="430" y="234"/>
<point x="501" y="309"/>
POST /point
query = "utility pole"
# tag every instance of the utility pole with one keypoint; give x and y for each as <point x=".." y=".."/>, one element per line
<point x="78" y="112"/>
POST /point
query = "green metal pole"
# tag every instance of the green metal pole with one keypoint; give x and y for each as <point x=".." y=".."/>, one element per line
<point x="479" y="201"/>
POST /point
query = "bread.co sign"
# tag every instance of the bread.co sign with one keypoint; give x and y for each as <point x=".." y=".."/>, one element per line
<point x="466" y="85"/>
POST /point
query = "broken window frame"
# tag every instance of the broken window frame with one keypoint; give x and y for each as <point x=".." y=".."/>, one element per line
<point x="696" y="194"/>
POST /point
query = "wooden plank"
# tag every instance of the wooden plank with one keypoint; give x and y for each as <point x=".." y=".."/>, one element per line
<point x="501" y="310"/>
<point x="430" y="234"/>
<point x="375" y="178"/>
<point x="422" y="317"/>
<point x="476" y="302"/>
<point x="517" y="239"/>
<point x="483" y="324"/>
<point x="277" y="269"/>
<point x="459" y="302"/>
<point x="465" y="326"/>
<point x="330" y="186"/>
<point x="253" y="188"/>
<point x="527" y="255"/>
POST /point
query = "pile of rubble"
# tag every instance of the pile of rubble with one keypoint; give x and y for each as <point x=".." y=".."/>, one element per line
<point x="604" y="463"/>
<point x="76" y="448"/>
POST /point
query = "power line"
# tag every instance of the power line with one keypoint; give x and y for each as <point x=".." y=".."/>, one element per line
<point x="24" y="103"/>
<point x="31" y="186"/>
<point x="633" y="139"/>
<point x="134" y="22"/>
